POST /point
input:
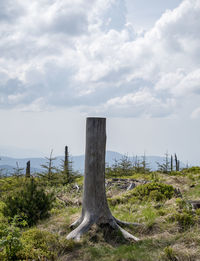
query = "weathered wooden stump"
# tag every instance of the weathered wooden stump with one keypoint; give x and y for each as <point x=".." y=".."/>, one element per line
<point x="95" y="208"/>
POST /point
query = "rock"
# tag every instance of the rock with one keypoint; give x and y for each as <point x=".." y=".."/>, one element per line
<point x="195" y="204"/>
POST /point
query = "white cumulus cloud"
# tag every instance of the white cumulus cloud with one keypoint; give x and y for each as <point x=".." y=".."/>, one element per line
<point x="84" y="54"/>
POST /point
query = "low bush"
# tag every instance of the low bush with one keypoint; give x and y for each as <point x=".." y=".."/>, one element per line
<point x="183" y="205"/>
<point x="2" y="206"/>
<point x="169" y="254"/>
<point x="117" y="200"/>
<point x="31" y="203"/>
<point x="193" y="170"/>
<point x="38" y="244"/>
<point x="153" y="191"/>
<point x="43" y="245"/>
<point x="10" y="243"/>
<point x="184" y="215"/>
<point x="185" y="219"/>
<point x="147" y="192"/>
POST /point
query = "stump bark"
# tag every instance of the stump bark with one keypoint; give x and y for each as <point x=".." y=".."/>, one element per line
<point x="95" y="209"/>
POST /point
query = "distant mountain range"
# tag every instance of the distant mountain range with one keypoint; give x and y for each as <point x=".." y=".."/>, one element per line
<point x="7" y="164"/>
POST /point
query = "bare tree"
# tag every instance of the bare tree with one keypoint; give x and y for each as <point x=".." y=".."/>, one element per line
<point x="66" y="163"/>
<point x="95" y="208"/>
<point x="137" y="164"/>
<point x="144" y="164"/>
<point x="171" y="162"/>
<point x="177" y="162"/>
<point x="165" y="166"/>
<point x="67" y="174"/>
<point x="17" y="172"/>
<point x="28" y="169"/>
<point x="49" y="168"/>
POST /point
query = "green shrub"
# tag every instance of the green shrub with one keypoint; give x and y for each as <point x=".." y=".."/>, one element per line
<point x="185" y="219"/>
<point x="162" y="212"/>
<point x="10" y="243"/>
<point x="117" y="200"/>
<point x="169" y="254"/>
<point x="198" y="212"/>
<point x="43" y="245"/>
<point x="10" y="185"/>
<point x="38" y="244"/>
<point x="183" y="204"/>
<point x="31" y="203"/>
<point x="2" y="206"/>
<point x="147" y="192"/>
<point x="153" y="191"/>
<point x="193" y="170"/>
<point x="154" y="176"/>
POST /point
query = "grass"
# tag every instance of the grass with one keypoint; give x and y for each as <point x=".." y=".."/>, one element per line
<point x="164" y="234"/>
<point x="194" y="192"/>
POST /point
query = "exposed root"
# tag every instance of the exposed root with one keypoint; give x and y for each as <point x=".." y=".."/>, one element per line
<point x="124" y="223"/>
<point x="85" y="224"/>
<point x="81" y="229"/>
<point x="127" y="235"/>
<point x="76" y="223"/>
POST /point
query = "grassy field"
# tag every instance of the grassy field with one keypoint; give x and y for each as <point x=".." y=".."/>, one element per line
<point x="169" y="230"/>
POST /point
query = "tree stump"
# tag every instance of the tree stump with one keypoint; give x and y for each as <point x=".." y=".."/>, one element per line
<point x="95" y="208"/>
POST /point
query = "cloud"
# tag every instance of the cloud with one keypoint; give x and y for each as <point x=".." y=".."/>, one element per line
<point x="114" y="16"/>
<point x="63" y="17"/>
<point x="9" y="13"/>
<point x="84" y="54"/>
<point x="196" y="113"/>
<point x="180" y="83"/>
<point x="141" y="103"/>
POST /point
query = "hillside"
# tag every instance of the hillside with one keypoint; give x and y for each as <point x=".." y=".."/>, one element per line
<point x="8" y="163"/>
<point x="163" y="205"/>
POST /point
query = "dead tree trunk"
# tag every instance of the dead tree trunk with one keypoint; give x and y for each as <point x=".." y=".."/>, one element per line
<point x="177" y="162"/>
<point x="28" y="169"/>
<point x="95" y="208"/>
<point x="171" y="163"/>
<point x="66" y="163"/>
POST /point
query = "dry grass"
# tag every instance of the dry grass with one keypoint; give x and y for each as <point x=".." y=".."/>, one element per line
<point x="162" y="238"/>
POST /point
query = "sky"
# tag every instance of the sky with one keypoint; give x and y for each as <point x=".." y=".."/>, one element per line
<point x="135" y="62"/>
